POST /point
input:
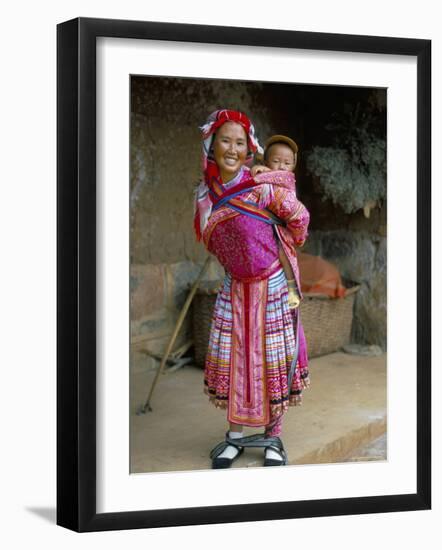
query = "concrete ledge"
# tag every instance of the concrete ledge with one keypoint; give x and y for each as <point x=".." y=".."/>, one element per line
<point x="341" y="448"/>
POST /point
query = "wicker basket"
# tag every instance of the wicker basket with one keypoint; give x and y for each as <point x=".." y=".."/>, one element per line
<point x="326" y="321"/>
<point x="202" y="310"/>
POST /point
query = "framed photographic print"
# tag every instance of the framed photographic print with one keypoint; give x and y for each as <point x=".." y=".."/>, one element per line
<point x="243" y="221"/>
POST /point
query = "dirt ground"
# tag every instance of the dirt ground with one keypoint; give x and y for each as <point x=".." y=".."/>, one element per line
<point x="342" y="418"/>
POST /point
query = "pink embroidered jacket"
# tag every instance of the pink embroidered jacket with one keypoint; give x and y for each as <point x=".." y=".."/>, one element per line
<point x="246" y="247"/>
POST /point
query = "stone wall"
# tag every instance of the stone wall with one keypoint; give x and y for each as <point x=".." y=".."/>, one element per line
<point x="361" y="259"/>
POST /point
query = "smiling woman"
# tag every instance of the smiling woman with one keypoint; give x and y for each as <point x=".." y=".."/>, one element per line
<point x="256" y="364"/>
<point x="230" y="149"/>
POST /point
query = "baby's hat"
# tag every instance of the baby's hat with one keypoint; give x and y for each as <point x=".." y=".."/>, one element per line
<point x="279" y="138"/>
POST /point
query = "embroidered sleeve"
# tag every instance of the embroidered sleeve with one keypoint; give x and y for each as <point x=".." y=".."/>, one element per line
<point x="287" y="207"/>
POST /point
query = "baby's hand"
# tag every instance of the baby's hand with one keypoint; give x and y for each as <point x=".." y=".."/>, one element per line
<point x="258" y="169"/>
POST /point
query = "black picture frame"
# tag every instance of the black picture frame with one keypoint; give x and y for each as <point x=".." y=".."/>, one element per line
<point x="77" y="287"/>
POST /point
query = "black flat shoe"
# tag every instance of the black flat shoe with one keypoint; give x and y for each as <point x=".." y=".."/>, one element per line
<point x="218" y="462"/>
<point x="223" y="462"/>
<point x="273" y="461"/>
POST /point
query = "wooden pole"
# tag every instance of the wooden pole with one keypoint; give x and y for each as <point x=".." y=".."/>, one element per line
<point x="178" y="325"/>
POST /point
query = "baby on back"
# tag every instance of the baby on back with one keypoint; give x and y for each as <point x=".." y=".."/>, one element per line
<point x="281" y="153"/>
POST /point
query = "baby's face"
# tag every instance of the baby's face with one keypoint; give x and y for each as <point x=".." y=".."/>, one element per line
<point x="280" y="157"/>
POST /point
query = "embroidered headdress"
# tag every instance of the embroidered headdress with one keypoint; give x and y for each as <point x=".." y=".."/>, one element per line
<point x="215" y="121"/>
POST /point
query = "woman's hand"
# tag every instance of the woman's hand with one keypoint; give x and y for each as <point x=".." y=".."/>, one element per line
<point x="305" y="382"/>
<point x="258" y="169"/>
